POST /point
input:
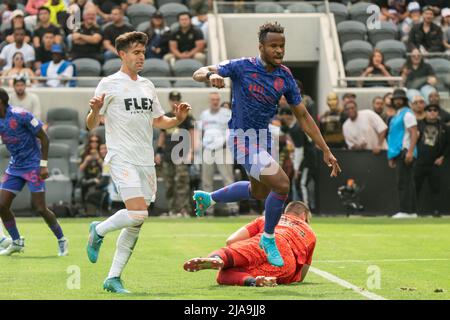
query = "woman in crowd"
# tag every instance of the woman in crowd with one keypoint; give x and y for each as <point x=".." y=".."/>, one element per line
<point x="377" y="68"/>
<point x="158" y="37"/>
<point x="19" y="70"/>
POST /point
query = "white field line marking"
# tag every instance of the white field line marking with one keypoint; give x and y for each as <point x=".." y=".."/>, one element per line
<point x="381" y="260"/>
<point x="346" y="284"/>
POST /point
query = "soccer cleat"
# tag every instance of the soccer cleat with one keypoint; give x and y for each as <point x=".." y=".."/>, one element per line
<point x="197" y="264"/>
<point x="262" y="281"/>
<point x="114" y="285"/>
<point x="63" y="247"/>
<point x="94" y="243"/>
<point x="16" y="246"/>
<point x="202" y="202"/>
<point x="5" y="242"/>
<point x="270" y="248"/>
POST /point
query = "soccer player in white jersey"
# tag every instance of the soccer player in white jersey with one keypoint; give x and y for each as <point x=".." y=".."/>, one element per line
<point x="131" y="109"/>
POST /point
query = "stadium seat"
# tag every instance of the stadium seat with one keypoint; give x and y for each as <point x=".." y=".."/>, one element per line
<point x="358" y="12"/>
<point x="59" y="158"/>
<point x="301" y="7"/>
<point x="338" y="9"/>
<point x="355" y="67"/>
<point x="161" y="83"/>
<point x="391" y="49"/>
<point x="143" y="26"/>
<point x="138" y="13"/>
<point x="351" y="30"/>
<point x="170" y="11"/>
<point x="156" y="68"/>
<point x="87" y="67"/>
<point x="65" y="134"/>
<point x="387" y="31"/>
<point x="268" y="8"/>
<point x="355" y="49"/>
<point x="188" y="84"/>
<point x="111" y="66"/>
<point x="396" y="65"/>
<point x="163" y="2"/>
<point x="186" y="67"/>
<point x="62" y="116"/>
<point x="58" y="185"/>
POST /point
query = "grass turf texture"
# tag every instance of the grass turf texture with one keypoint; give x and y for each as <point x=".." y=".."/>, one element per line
<point x="345" y="248"/>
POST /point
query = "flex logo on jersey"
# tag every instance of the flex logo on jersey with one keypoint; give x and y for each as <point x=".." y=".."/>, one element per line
<point x="136" y="105"/>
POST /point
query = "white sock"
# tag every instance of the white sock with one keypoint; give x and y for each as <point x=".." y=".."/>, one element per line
<point x="2" y="234"/>
<point x="124" y="248"/>
<point x="269" y="235"/>
<point x="121" y="219"/>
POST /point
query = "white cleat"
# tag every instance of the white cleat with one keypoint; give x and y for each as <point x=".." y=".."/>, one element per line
<point x="5" y="242"/>
<point x="16" y="246"/>
<point x="63" y="247"/>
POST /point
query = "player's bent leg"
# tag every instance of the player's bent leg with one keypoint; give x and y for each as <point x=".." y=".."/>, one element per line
<point x="197" y="264"/>
<point x="263" y="281"/>
<point x="241" y="277"/>
<point x="17" y="244"/>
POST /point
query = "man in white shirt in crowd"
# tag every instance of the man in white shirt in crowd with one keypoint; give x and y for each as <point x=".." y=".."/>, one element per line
<point x="27" y="100"/>
<point x="364" y="130"/>
<point x="214" y="123"/>
<point x="19" y="45"/>
<point x="58" y="69"/>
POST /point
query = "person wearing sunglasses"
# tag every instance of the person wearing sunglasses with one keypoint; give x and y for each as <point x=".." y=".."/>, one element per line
<point x="433" y="148"/>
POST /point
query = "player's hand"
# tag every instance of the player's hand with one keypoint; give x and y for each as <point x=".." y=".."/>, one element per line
<point x="332" y="162"/>
<point x="217" y="81"/>
<point x="43" y="174"/>
<point x="96" y="103"/>
<point x="182" y="111"/>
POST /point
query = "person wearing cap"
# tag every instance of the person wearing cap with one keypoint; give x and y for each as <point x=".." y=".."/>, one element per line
<point x="27" y="100"/>
<point x="158" y="37"/>
<point x="19" y="45"/>
<point x="435" y="98"/>
<point x="402" y="152"/>
<point x="43" y="26"/>
<point x="433" y="148"/>
<point x="445" y="13"/>
<point x="426" y="36"/>
<point x="17" y="22"/>
<point x="115" y="29"/>
<point x="414" y="17"/>
<point x="58" y="69"/>
<point x="55" y="6"/>
<point x="176" y="175"/>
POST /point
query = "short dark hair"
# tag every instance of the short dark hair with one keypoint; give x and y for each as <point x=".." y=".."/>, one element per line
<point x="299" y="207"/>
<point x="117" y="8"/>
<point x="44" y="8"/>
<point x="126" y="40"/>
<point x="267" y="27"/>
<point x="376" y="98"/>
<point x="351" y="102"/>
<point x="4" y="97"/>
<point x="19" y="79"/>
<point x="182" y="14"/>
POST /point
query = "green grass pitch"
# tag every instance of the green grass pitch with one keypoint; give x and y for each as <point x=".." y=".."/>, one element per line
<point x="411" y="259"/>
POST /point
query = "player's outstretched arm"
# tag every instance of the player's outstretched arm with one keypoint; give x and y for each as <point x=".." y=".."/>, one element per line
<point x="93" y="118"/>
<point x="239" y="235"/>
<point x="309" y="126"/>
<point x="181" y="112"/>
<point x="43" y="137"/>
<point x="209" y="74"/>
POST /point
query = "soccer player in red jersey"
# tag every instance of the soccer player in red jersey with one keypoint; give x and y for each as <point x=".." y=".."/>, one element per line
<point x="242" y="262"/>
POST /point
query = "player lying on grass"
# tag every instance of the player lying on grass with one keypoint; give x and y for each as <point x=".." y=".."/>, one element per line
<point x="242" y="262"/>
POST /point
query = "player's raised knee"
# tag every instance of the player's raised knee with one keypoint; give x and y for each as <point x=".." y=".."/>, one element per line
<point x="138" y="216"/>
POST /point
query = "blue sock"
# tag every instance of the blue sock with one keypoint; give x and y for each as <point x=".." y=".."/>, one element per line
<point x="57" y="231"/>
<point x="234" y="192"/>
<point x="12" y="229"/>
<point x="274" y="209"/>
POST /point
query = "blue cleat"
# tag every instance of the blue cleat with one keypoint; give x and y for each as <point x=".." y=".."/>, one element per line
<point x="270" y="248"/>
<point x="202" y="202"/>
<point x="94" y="243"/>
<point x="114" y="285"/>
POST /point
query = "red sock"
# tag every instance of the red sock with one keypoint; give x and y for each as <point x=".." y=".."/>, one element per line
<point x="233" y="276"/>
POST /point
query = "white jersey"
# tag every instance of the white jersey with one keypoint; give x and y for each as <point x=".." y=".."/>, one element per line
<point x="129" y="109"/>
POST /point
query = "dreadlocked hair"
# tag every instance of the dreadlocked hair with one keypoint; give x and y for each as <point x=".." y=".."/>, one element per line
<point x="269" y="27"/>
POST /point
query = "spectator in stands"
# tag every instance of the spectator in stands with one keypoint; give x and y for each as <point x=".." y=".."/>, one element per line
<point x="446" y="28"/>
<point x="19" y="45"/>
<point x="331" y="123"/>
<point x="418" y="76"/>
<point x="17" y="22"/>
<point x="115" y="29"/>
<point x="201" y="21"/>
<point x="186" y="42"/>
<point x="388" y="7"/>
<point x="433" y="147"/>
<point x="10" y="6"/>
<point x="418" y="107"/>
<point x="19" y="70"/>
<point x="388" y="107"/>
<point x="214" y="121"/>
<point x="348" y="96"/>
<point x="43" y="26"/>
<point x="307" y="100"/>
<point x="377" y="68"/>
<point x="44" y="51"/>
<point x="378" y="108"/>
<point x="364" y="130"/>
<point x="58" y="70"/>
<point x="158" y="37"/>
<point x="402" y="152"/>
<point x="32" y="7"/>
<point x="27" y="100"/>
<point x="105" y="7"/>
<point x="226" y="104"/>
<point x="414" y="18"/>
<point x="87" y="41"/>
<point x="56" y="7"/>
<point x="435" y="98"/>
<point x="199" y="6"/>
<point x="176" y="176"/>
<point x="426" y="36"/>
